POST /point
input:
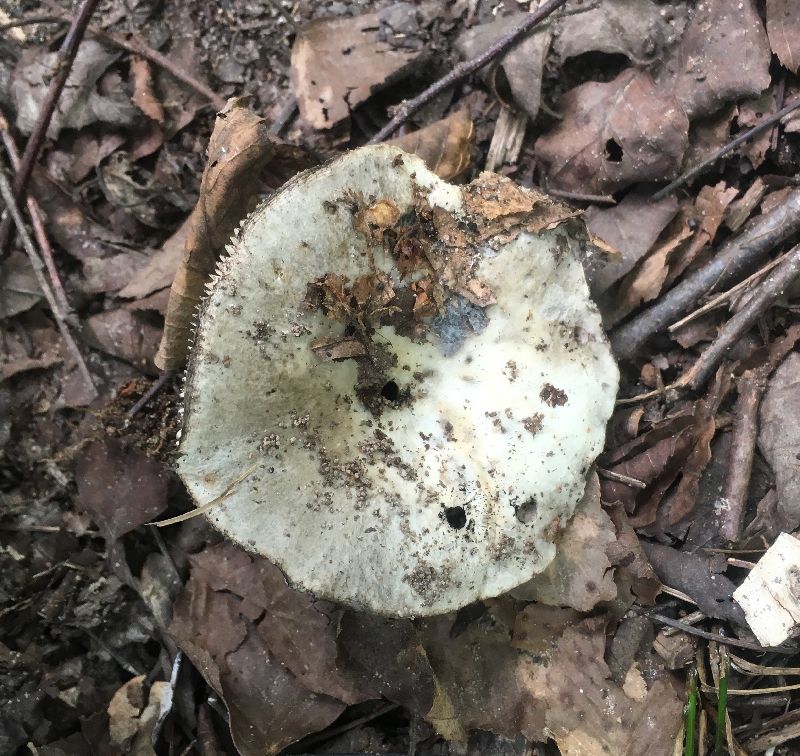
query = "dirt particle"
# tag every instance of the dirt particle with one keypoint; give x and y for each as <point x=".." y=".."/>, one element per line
<point x="553" y="396"/>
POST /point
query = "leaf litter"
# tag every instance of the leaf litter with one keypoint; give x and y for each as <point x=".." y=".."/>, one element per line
<point x="617" y="98"/>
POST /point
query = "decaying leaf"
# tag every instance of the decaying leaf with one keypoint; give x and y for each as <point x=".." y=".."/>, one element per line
<point x="631" y="228"/>
<point x="554" y="682"/>
<point x="41" y="349"/>
<point x="126" y="335"/>
<point x="267" y="650"/>
<point x="239" y="150"/>
<point x="133" y="713"/>
<point x="638" y="29"/>
<point x="783" y="29"/>
<point x="701" y="72"/>
<point x="444" y="145"/>
<point x="699" y="576"/>
<point x="581" y="575"/>
<point x="120" y="486"/>
<point x="521" y="66"/>
<point x="143" y="96"/>
<point x="19" y="289"/>
<point x="779" y="437"/>
<point x="614" y="135"/>
<point x="337" y="63"/>
<point x="80" y="103"/>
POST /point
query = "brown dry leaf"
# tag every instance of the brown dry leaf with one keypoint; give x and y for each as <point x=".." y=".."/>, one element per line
<point x="783" y="29"/>
<point x="337" y="63"/>
<point x="126" y="335"/>
<point x="631" y="228"/>
<point x="218" y="623"/>
<point x="133" y="713"/>
<point x="614" y="135"/>
<point x="384" y="657"/>
<point x="709" y="211"/>
<point x="580" y="576"/>
<point x="779" y="438"/>
<point x="159" y="271"/>
<point x="645" y="282"/>
<point x="750" y="113"/>
<point x="552" y="682"/>
<point x="106" y="274"/>
<point x="238" y="152"/>
<point x="444" y="145"/>
<point x="700" y="577"/>
<point x="119" y="486"/>
<point x="654" y="458"/>
<point x="638" y="29"/>
<point x="143" y="96"/>
<point x="633" y="575"/>
<point x="80" y="103"/>
<point x="15" y="356"/>
<point x="724" y="55"/>
<point x="298" y="630"/>
<point x="19" y="289"/>
<point x="646" y="713"/>
<point x="521" y="67"/>
<point x="707" y="134"/>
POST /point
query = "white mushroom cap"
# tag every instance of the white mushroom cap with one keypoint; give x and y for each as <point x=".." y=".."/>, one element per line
<point x="415" y="372"/>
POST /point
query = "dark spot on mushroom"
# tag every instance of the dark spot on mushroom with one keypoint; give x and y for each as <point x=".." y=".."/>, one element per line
<point x="526" y="512"/>
<point x="553" y="396"/>
<point x="591" y="586"/>
<point x="390" y="391"/>
<point x="456" y="517"/>
<point x="613" y="151"/>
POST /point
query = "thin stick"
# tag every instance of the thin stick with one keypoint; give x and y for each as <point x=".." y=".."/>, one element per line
<point x="763" y="125"/>
<point x="137" y="46"/>
<point x="213" y="503"/>
<point x="738" y="257"/>
<point x="464" y="69"/>
<point x="158" y="384"/>
<point x="743" y="448"/>
<point x="717" y="301"/>
<point x="717" y="637"/>
<point x="597" y="199"/>
<point x="620" y="478"/>
<point x="30" y="21"/>
<point x="66" y="56"/>
<point x="11" y="205"/>
<point x="767" y="293"/>
<point x="38" y="225"/>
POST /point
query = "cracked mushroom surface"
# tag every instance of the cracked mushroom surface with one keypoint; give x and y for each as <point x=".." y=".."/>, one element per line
<point x="415" y="374"/>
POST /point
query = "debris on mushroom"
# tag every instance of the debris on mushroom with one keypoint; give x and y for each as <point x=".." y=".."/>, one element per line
<point x="417" y="376"/>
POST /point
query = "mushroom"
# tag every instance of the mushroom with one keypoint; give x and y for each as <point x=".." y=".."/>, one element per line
<point x="414" y="375"/>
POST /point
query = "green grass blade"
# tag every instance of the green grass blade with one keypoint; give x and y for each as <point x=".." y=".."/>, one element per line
<point x="691" y="716"/>
<point x="722" y="705"/>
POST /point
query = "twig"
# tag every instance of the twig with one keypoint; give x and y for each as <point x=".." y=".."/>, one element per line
<point x="763" y="125"/>
<point x="720" y="298"/>
<point x="763" y="298"/>
<point x="464" y="69"/>
<point x="13" y="211"/>
<point x="743" y="447"/>
<point x="598" y="199"/>
<point x="30" y="21"/>
<point x="66" y="56"/>
<point x="38" y="225"/>
<point x="717" y="637"/>
<point x="137" y="46"/>
<point x="158" y="384"/>
<point x="737" y="257"/>
<point x="285" y="114"/>
<point x="620" y="478"/>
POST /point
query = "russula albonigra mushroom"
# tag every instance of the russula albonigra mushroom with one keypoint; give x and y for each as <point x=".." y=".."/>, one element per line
<point x="415" y="376"/>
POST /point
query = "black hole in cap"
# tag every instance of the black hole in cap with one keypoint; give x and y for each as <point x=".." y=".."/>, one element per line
<point x="613" y="151"/>
<point x="390" y="391"/>
<point x="526" y="513"/>
<point x="456" y="517"/>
